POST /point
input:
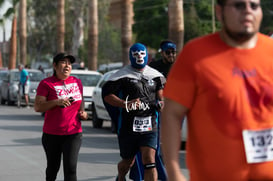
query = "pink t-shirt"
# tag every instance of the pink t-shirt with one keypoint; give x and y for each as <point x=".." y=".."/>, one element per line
<point x="62" y="121"/>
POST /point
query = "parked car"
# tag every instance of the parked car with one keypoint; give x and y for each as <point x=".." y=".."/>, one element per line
<point x="35" y="77"/>
<point x="9" y="89"/>
<point x="89" y="81"/>
<point x="99" y="113"/>
<point x="3" y="74"/>
<point x="48" y="72"/>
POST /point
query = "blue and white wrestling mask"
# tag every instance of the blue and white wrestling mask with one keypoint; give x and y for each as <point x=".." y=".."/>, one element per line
<point x="138" y="56"/>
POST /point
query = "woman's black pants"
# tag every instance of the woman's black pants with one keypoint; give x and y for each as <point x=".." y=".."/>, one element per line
<point x="55" y="147"/>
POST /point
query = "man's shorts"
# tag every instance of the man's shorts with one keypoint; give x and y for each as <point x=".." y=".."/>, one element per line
<point x="25" y="89"/>
<point x="129" y="145"/>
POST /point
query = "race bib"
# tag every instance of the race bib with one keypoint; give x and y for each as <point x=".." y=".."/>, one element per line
<point x="258" y="145"/>
<point x="142" y="124"/>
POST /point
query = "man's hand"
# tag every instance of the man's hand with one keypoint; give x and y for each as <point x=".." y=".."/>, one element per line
<point x="83" y="115"/>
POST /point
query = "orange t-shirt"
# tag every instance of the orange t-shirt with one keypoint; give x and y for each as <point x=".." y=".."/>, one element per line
<point x="227" y="90"/>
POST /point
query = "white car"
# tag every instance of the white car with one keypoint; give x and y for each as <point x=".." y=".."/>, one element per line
<point x="99" y="113"/>
<point x="89" y="80"/>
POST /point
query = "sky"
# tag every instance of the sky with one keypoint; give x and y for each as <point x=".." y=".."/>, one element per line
<point x="7" y="24"/>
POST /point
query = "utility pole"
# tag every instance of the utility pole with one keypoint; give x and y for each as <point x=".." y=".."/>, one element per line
<point x="213" y="16"/>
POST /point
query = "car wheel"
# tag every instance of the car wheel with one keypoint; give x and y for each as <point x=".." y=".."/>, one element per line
<point x="10" y="102"/>
<point x="97" y="123"/>
<point x="2" y="100"/>
<point x="113" y="127"/>
<point x="18" y="100"/>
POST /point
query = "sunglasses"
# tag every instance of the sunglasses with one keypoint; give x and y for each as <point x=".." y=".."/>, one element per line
<point x="241" y="6"/>
<point x="168" y="52"/>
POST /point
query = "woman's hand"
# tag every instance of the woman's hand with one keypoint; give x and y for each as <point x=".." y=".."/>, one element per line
<point x="64" y="102"/>
<point x="83" y="115"/>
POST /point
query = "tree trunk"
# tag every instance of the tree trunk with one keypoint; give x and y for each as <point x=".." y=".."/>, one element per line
<point x="176" y="22"/>
<point x="1" y="61"/>
<point x="93" y="35"/>
<point x="60" y="25"/>
<point x="23" y="32"/>
<point x="78" y="35"/>
<point x="78" y="27"/>
<point x="13" y="44"/>
<point x="126" y="29"/>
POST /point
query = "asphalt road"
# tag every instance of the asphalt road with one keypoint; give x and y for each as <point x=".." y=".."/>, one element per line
<point x="22" y="157"/>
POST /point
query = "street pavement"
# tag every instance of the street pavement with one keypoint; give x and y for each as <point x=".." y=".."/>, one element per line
<point x="22" y="157"/>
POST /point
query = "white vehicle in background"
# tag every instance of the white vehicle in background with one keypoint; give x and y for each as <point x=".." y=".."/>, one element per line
<point x="89" y="80"/>
<point x="99" y="113"/>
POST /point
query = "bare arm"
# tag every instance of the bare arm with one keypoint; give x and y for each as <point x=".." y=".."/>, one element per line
<point x="114" y="100"/>
<point x="161" y="99"/>
<point x="83" y="115"/>
<point x="42" y="105"/>
<point x="172" y="116"/>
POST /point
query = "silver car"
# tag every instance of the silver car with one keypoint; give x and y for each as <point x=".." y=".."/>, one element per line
<point x="9" y="89"/>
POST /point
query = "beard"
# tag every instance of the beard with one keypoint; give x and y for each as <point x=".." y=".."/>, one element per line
<point x="239" y="36"/>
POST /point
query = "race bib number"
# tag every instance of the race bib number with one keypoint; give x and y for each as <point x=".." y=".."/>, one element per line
<point x="142" y="124"/>
<point x="258" y="145"/>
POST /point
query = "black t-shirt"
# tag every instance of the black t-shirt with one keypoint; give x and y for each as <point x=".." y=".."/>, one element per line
<point x="128" y="89"/>
<point x="162" y="67"/>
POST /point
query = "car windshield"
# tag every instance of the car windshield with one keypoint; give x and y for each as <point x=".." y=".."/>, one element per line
<point x="88" y="79"/>
<point x="36" y="76"/>
<point x="3" y="75"/>
<point x="14" y="76"/>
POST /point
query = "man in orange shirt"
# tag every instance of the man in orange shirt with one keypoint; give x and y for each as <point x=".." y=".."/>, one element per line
<point x="223" y="82"/>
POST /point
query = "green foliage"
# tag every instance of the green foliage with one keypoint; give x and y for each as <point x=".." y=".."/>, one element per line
<point x="151" y="21"/>
<point x="42" y="32"/>
<point x="267" y="23"/>
<point x="150" y="17"/>
<point x="109" y="47"/>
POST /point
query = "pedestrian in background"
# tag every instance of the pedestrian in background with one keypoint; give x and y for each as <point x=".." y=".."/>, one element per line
<point x="223" y="82"/>
<point x="24" y="84"/>
<point x="168" y="55"/>
<point x="60" y="97"/>
<point x="137" y="90"/>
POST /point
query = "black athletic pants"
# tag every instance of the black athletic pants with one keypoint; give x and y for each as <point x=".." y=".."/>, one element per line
<point x="55" y="147"/>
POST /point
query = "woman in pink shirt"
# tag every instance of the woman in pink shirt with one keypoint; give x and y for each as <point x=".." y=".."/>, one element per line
<point x="60" y="97"/>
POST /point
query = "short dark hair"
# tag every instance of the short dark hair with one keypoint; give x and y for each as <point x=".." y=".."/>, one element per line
<point x="221" y="2"/>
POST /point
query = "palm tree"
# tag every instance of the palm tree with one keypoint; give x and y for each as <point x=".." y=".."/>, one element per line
<point x="126" y="28"/>
<point x="78" y="26"/>
<point x="60" y="25"/>
<point x="23" y="31"/>
<point x="2" y="23"/>
<point x="13" y="40"/>
<point x="13" y="44"/>
<point x="176" y="22"/>
<point x="93" y="35"/>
